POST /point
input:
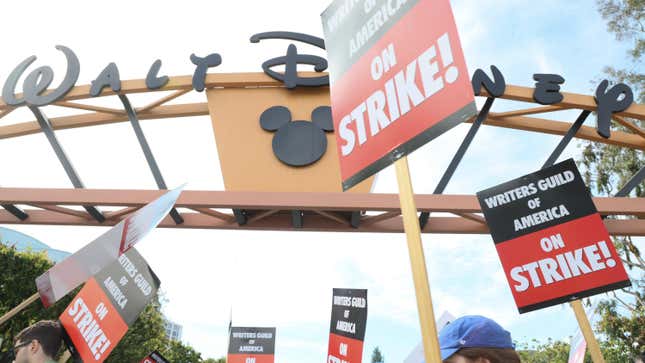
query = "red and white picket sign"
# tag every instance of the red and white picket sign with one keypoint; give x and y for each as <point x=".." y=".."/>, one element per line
<point x="398" y="80"/>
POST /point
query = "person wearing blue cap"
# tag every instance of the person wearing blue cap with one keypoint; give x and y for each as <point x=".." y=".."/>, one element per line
<point x="476" y="339"/>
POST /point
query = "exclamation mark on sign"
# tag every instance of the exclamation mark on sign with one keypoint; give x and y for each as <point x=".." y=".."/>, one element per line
<point x="97" y="356"/>
<point x="605" y="251"/>
<point x="446" y="56"/>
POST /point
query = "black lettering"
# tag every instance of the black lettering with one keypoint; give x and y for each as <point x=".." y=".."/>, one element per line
<point x="38" y="81"/>
<point x="153" y="81"/>
<point x="609" y="102"/>
<point x="547" y="88"/>
<point x="199" y="77"/>
<point x="292" y="59"/>
<point x="494" y="88"/>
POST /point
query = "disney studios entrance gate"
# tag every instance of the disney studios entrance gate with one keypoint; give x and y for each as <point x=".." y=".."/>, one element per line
<point x="273" y="181"/>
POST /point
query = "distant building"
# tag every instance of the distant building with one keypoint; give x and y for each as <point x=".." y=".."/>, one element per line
<point x="23" y="242"/>
<point x="173" y="330"/>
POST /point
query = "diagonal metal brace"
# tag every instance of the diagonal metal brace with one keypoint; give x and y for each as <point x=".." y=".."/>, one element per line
<point x="47" y="129"/>
<point x="625" y="190"/>
<point x="632" y="183"/>
<point x="573" y="130"/>
<point x="150" y="158"/>
<point x="17" y="212"/>
<point x="454" y="163"/>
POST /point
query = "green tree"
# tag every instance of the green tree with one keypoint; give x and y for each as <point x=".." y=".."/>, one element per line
<point x="625" y="332"/>
<point x="178" y="352"/>
<point x="17" y="283"/>
<point x="553" y="351"/>
<point x="17" y="276"/>
<point x="377" y="356"/>
<point x="606" y="169"/>
<point x="625" y="19"/>
<point x="145" y="335"/>
<point x="213" y="360"/>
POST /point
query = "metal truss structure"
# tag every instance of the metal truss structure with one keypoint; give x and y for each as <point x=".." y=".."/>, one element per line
<point x="295" y="211"/>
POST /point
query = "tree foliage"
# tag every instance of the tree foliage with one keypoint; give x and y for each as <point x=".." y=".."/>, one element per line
<point x="625" y="19"/>
<point x="178" y="352"/>
<point x="213" y="360"/>
<point x="606" y="169"/>
<point x="145" y="335"/>
<point x="377" y="356"/>
<point x="553" y="351"/>
<point x="625" y="332"/>
<point x="17" y="283"/>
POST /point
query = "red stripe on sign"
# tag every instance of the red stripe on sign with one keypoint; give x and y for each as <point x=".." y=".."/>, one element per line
<point x="344" y="350"/>
<point x="423" y="80"/>
<point x="249" y="358"/>
<point x="92" y="323"/>
<point x="560" y="261"/>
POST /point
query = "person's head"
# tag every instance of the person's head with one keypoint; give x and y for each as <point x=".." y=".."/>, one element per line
<point x="476" y="339"/>
<point x="38" y="343"/>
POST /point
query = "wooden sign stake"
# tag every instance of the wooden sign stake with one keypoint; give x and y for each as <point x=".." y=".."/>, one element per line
<point x="419" y="272"/>
<point x="10" y="314"/>
<point x="585" y="327"/>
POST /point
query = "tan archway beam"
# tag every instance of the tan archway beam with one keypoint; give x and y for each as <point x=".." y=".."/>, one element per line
<point x="570" y="100"/>
<point x="271" y="211"/>
<point x="96" y="118"/>
<point x="624" y="139"/>
<point x="194" y="199"/>
<point x="251" y="79"/>
<point x="619" y="138"/>
<point x="259" y="79"/>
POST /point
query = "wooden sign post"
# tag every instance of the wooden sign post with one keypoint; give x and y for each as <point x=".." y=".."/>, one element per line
<point x="20" y="307"/>
<point x="391" y="93"/>
<point x="587" y="332"/>
<point x="431" y="350"/>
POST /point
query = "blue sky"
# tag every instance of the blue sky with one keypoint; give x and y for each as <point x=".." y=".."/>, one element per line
<point x="285" y="279"/>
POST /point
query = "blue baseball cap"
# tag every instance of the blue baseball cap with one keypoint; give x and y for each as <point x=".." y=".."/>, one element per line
<point x="472" y="331"/>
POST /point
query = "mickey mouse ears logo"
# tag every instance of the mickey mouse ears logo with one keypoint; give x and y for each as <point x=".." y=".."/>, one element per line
<point x="298" y="143"/>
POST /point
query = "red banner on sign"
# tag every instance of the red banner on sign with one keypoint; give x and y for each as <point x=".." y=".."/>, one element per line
<point x="559" y="262"/>
<point x="93" y="325"/>
<point x="249" y="358"/>
<point x="344" y="350"/>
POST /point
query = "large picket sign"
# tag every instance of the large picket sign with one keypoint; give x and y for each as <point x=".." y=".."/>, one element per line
<point x="100" y="314"/>
<point x="347" y="327"/>
<point x="398" y="80"/>
<point x="251" y="345"/>
<point x="550" y="238"/>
